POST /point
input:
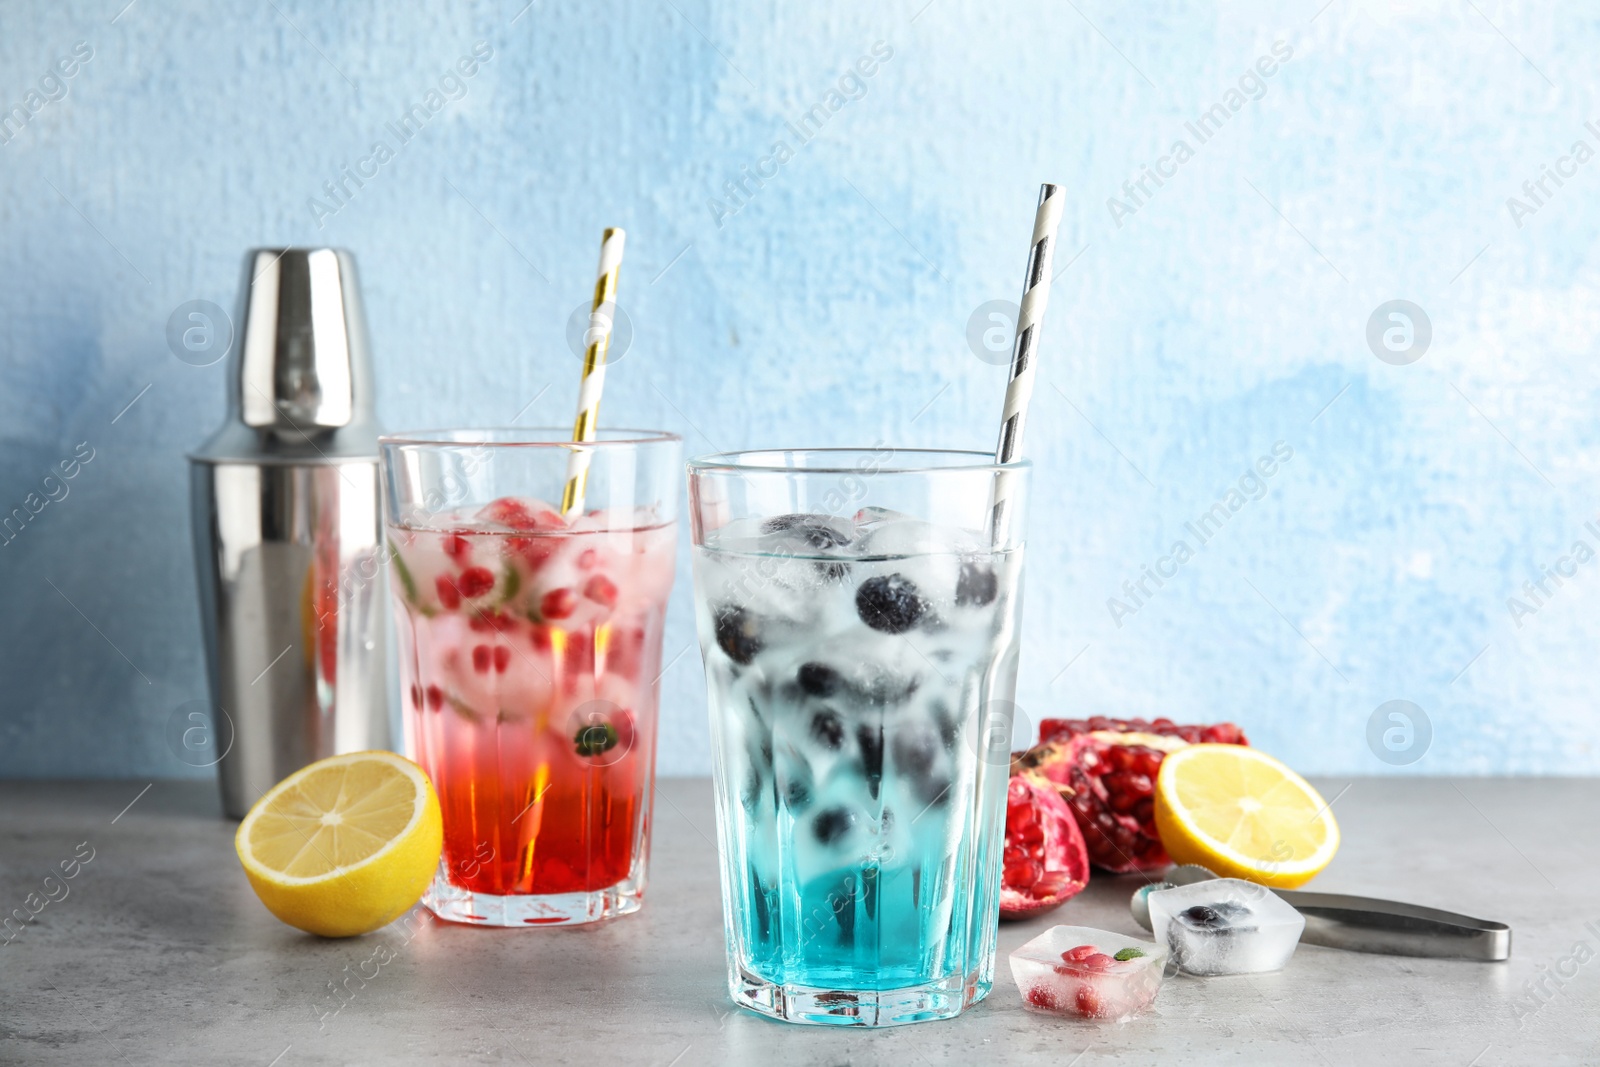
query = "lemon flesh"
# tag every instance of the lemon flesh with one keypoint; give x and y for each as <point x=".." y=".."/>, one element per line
<point x="344" y="846"/>
<point x="1243" y="814"/>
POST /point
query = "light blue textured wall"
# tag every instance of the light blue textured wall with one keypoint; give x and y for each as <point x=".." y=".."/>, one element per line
<point x="1228" y="311"/>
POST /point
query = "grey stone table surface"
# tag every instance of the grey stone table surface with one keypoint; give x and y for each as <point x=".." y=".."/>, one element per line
<point x="159" y="953"/>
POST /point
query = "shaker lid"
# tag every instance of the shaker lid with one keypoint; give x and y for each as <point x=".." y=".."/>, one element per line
<point x="301" y="368"/>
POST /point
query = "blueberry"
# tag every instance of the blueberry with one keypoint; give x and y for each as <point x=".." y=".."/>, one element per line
<point x="763" y="906"/>
<point x="977" y="585"/>
<point x="1205" y="918"/>
<point x="871" y="741"/>
<point x="797" y="795"/>
<point x="914" y="749"/>
<point x="844" y="912"/>
<point x="738" y="634"/>
<point x="945" y="720"/>
<point x="826" y="728"/>
<point x="890" y="603"/>
<point x="832" y="824"/>
<point x="819" y="679"/>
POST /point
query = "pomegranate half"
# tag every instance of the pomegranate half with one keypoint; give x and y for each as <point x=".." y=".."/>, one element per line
<point x="1046" y="863"/>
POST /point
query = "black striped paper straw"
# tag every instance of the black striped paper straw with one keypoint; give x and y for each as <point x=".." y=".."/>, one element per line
<point x="1030" y="319"/>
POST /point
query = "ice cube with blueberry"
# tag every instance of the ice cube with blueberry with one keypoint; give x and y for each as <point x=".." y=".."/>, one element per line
<point x="1225" y="926"/>
<point x="1084" y="973"/>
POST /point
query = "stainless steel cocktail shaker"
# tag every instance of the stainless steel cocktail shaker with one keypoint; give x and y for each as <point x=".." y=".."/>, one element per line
<point x="288" y="530"/>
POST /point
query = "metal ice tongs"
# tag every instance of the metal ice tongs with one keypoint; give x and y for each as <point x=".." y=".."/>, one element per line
<point x="1366" y="924"/>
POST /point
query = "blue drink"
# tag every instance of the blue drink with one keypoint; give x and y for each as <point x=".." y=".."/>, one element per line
<point x="860" y="672"/>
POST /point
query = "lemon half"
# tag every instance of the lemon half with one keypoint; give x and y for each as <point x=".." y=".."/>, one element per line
<point x="1243" y="814"/>
<point x="344" y="846"/>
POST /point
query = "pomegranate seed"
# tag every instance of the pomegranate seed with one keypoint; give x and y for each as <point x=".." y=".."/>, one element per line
<point x="449" y="595"/>
<point x="1024" y="874"/>
<point x="1079" y="954"/>
<point x="480" y="658"/>
<point x="1052" y="883"/>
<point x="457" y="547"/>
<point x="541" y="639"/>
<point x="1088" y="1002"/>
<point x="1099" y="962"/>
<point x="1043" y="997"/>
<point x="475" y="581"/>
<point x="502" y="659"/>
<point x="558" y="603"/>
<point x="601" y="590"/>
<point x="435" y="697"/>
<point x="587" y="559"/>
<point x="416" y="697"/>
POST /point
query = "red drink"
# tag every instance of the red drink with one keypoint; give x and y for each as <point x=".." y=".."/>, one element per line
<point x="530" y="650"/>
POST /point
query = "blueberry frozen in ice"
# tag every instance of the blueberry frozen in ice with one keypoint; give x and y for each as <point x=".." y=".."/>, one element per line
<point x="738" y="634"/>
<point x="1225" y="926"/>
<point x="890" y="602"/>
<point x="806" y="535"/>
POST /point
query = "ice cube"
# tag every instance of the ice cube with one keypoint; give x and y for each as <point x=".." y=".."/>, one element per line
<point x="903" y="536"/>
<point x="1085" y="973"/>
<point x="1225" y="926"/>
<point x="814" y="539"/>
<point x="786" y="570"/>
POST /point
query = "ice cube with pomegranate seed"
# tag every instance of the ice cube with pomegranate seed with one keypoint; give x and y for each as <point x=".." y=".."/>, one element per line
<point x="523" y="514"/>
<point x="1225" y="926"/>
<point x="1083" y="973"/>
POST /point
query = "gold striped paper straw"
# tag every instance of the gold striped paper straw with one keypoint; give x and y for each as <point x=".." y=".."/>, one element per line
<point x="1030" y="320"/>
<point x="598" y="342"/>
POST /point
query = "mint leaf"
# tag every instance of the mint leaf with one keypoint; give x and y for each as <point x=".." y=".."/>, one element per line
<point x="462" y="709"/>
<point x="408" y="583"/>
<point x="511" y="586"/>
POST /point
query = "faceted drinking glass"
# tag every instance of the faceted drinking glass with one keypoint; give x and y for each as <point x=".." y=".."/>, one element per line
<point x="858" y="618"/>
<point x="530" y="651"/>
